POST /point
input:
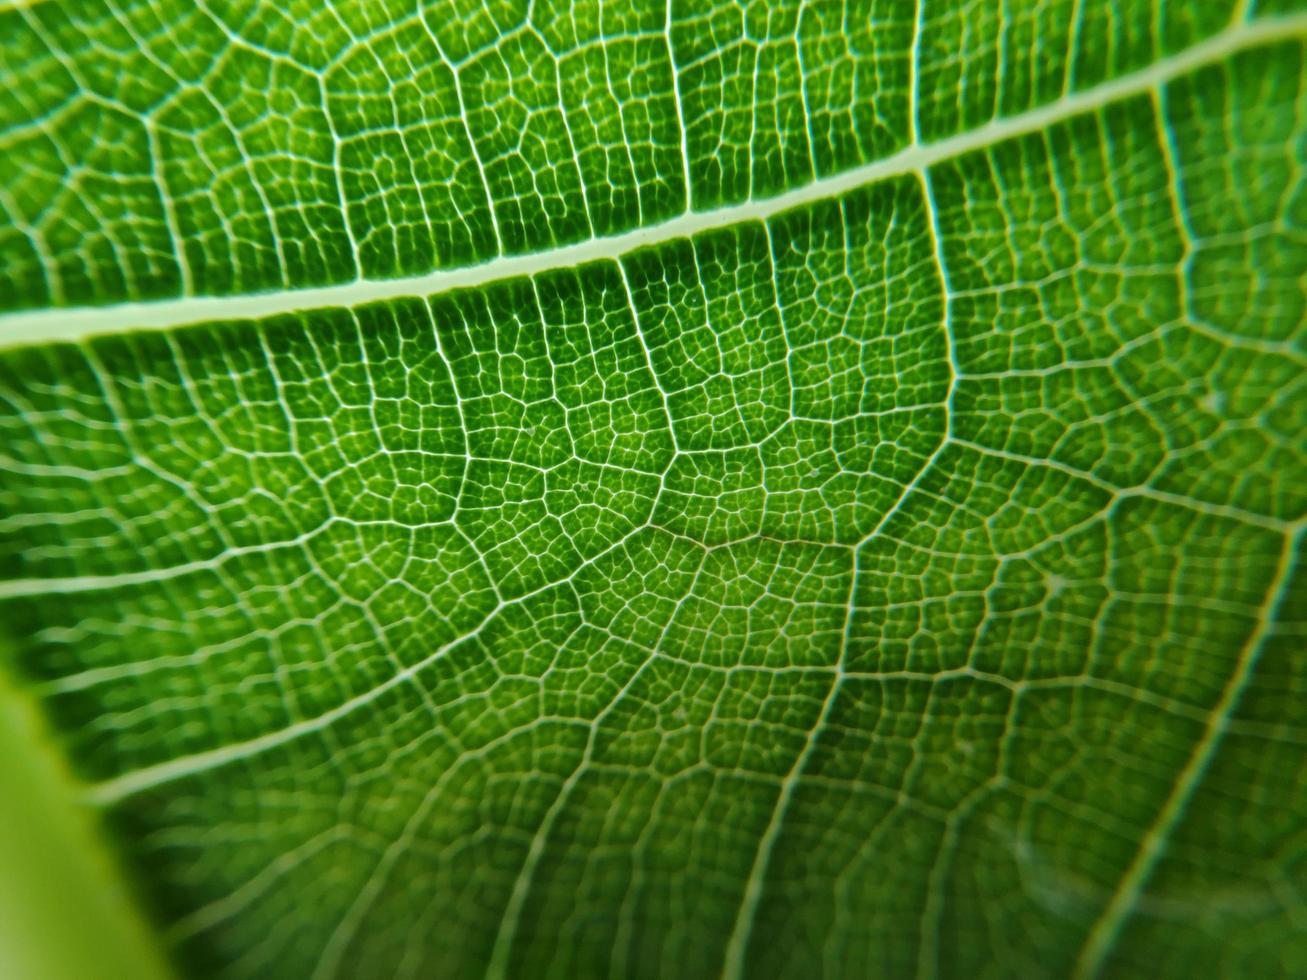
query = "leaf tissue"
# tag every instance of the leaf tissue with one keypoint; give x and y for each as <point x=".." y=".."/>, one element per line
<point x="804" y="488"/>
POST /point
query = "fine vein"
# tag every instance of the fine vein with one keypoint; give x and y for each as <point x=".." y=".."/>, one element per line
<point x="77" y="323"/>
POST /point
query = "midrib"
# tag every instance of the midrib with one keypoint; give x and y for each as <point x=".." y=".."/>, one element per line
<point x="77" y="323"/>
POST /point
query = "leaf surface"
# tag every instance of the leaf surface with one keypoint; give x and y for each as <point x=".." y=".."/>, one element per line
<point x="623" y="490"/>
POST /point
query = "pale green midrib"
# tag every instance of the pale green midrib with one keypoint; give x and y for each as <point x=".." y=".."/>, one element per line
<point x="30" y="327"/>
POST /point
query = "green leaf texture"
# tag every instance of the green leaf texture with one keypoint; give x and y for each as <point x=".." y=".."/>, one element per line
<point x="608" y="489"/>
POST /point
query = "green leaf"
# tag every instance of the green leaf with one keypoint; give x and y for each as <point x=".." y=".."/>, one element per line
<point x="641" y="490"/>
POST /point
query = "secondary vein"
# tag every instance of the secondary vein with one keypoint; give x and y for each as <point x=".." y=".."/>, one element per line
<point x="28" y="327"/>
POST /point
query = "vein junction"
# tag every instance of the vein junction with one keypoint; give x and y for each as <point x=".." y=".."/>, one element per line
<point x="909" y="549"/>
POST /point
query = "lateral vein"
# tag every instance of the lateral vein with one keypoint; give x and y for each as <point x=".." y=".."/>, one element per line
<point x="27" y="327"/>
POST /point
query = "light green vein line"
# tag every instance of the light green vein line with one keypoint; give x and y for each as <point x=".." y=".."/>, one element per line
<point x="77" y="323"/>
<point x="1101" y="937"/>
